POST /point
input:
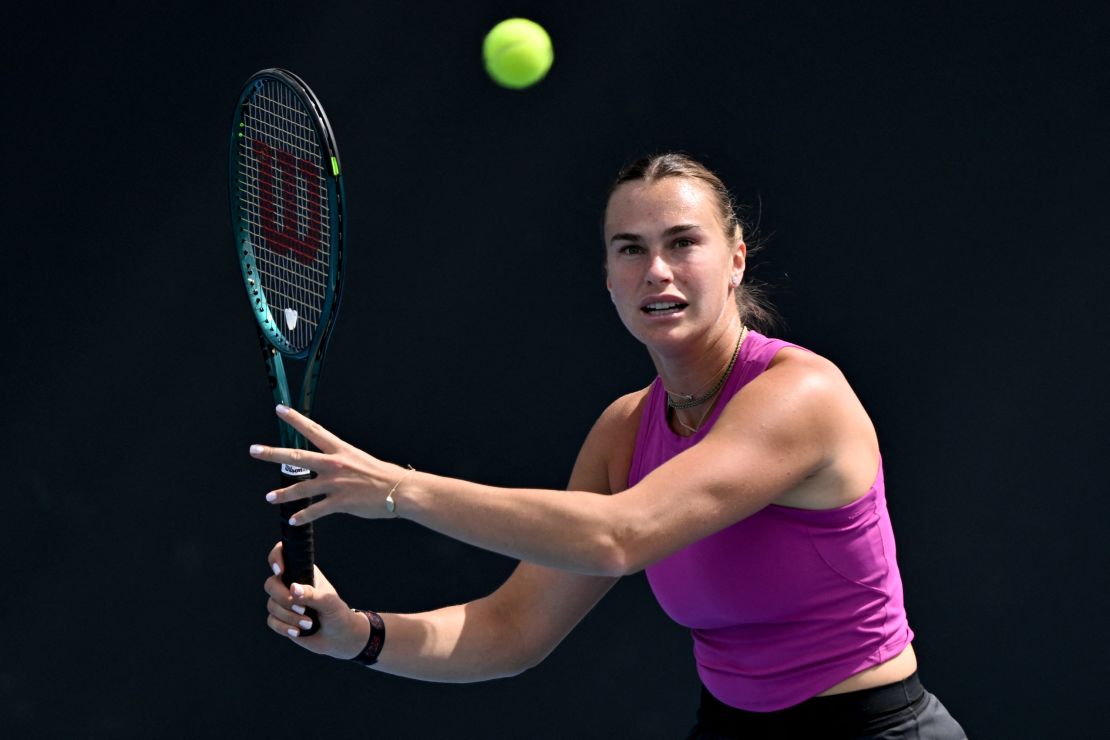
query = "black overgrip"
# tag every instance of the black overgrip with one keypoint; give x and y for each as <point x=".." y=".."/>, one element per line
<point x="297" y="543"/>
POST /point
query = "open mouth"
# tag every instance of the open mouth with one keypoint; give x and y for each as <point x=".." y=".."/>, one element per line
<point x="663" y="308"/>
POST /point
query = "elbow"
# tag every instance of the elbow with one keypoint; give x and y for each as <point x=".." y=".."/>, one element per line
<point x="528" y="655"/>
<point x="611" y="558"/>
<point x="620" y="549"/>
<point x="525" y="663"/>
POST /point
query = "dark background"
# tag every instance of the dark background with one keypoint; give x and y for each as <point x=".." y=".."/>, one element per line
<point x="930" y="182"/>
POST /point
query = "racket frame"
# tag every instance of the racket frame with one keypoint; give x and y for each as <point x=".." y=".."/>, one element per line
<point x="273" y="344"/>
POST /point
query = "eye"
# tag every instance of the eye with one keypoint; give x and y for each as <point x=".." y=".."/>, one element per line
<point x="683" y="242"/>
<point x="630" y="249"/>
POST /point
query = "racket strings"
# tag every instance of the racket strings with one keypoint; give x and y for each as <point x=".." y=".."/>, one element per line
<point x="282" y="122"/>
<point x="284" y="197"/>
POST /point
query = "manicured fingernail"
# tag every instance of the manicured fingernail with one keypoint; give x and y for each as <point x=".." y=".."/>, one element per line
<point x="256" y="449"/>
<point x="297" y="608"/>
<point x="298" y="590"/>
<point x="271" y="497"/>
<point x="282" y="409"/>
<point x="293" y="632"/>
<point x="277" y="569"/>
<point x="306" y="624"/>
<point x="293" y="521"/>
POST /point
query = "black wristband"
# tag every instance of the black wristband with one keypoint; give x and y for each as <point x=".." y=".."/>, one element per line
<point x="369" y="654"/>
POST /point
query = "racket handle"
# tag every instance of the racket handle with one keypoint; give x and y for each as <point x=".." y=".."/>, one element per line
<point x="297" y="543"/>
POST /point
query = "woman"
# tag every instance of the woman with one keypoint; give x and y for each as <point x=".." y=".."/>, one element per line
<point x="750" y="489"/>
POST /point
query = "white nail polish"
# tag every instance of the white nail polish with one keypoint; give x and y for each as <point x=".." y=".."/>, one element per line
<point x="277" y="570"/>
<point x="306" y="624"/>
<point x="282" y="409"/>
<point x="297" y="590"/>
<point x="298" y="608"/>
<point x="271" y="497"/>
<point x="292" y="632"/>
<point x="256" y="449"/>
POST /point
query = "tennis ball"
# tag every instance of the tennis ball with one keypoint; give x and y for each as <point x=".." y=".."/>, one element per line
<point x="517" y="53"/>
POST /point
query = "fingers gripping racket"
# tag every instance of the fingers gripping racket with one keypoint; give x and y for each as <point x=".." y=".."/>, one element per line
<point x="288" y="218"/>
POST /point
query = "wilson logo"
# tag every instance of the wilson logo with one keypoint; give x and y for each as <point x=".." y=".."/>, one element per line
<point x="289" y="201"/>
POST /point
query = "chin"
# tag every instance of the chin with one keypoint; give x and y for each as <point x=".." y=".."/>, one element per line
<point x="664" y="338"/>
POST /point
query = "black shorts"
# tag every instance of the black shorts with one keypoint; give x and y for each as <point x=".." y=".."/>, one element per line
<point x="897" y="711"/>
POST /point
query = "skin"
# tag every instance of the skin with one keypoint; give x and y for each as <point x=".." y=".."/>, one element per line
<point x="795" y="436"/>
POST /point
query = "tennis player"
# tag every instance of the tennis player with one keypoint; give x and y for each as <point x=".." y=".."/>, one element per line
<point x="750" y="490"/>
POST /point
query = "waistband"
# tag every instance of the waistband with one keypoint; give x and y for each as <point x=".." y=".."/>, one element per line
<point x="851" y="712"/>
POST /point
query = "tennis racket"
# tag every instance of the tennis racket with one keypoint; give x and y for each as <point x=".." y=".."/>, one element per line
<point x="288" y="217"/>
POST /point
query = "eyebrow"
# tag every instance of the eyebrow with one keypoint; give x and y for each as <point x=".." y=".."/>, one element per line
<point x="676" y="229"/>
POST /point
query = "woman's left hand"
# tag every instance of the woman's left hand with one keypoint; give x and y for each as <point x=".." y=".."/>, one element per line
<point x="350" y="480"/>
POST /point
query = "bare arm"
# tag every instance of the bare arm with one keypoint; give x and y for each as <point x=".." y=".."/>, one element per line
<point x="504" y="634"/>
<point x="500" y="635"/>
<point x="795" y="420"/>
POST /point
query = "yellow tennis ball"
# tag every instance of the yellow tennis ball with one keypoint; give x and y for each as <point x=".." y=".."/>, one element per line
<point x="517" y="53"/>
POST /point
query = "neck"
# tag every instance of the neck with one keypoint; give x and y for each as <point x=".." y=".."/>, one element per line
<point x="688" y="411"/>
<point x="698" y="367"/>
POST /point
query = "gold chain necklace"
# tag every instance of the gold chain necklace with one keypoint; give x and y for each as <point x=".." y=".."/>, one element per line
<point x="692" y="429"/>
<point x="728" y="371"/>
<point x="689" y="401"/>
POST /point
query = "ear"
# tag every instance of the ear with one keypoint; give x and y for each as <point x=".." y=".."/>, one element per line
<point x="740" y="259"/>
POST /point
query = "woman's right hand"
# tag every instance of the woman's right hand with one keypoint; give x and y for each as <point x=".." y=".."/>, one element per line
<point x="342" y="634"/>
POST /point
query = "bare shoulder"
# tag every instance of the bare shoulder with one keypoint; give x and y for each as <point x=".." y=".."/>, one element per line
<point x="606" y="455"/>
<point x="802" y="403"/>
<point x="808" y="379"/>
<point x="624" y="412"/>
<point x="801" y="360"/>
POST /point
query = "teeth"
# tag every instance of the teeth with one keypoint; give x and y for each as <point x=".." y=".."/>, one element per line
<point x="663" y="306"/>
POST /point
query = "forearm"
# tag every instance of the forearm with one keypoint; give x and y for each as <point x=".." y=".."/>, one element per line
<point x="455" y="644"/>
<point x="576" y="531"/>
<point x="568" y="530"/>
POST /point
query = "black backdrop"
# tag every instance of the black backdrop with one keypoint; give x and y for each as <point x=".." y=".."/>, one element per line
<point x="929" y="181"/>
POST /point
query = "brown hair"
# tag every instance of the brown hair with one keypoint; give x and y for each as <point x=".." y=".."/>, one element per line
<point x="755" y="311"/>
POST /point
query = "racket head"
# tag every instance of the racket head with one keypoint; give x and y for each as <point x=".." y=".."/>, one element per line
<point x="287" y="211"/>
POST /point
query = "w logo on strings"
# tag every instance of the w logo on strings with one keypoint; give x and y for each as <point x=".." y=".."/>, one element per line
<point x="290" y="223"/>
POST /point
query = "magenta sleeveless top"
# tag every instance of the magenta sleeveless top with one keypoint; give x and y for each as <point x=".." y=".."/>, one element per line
<point x="788" y="602"/>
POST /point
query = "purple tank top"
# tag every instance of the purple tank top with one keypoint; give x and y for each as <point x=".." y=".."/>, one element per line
<point x="788" y="602"/>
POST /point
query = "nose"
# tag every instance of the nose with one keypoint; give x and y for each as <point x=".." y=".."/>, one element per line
<point x="659" y="271"/>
